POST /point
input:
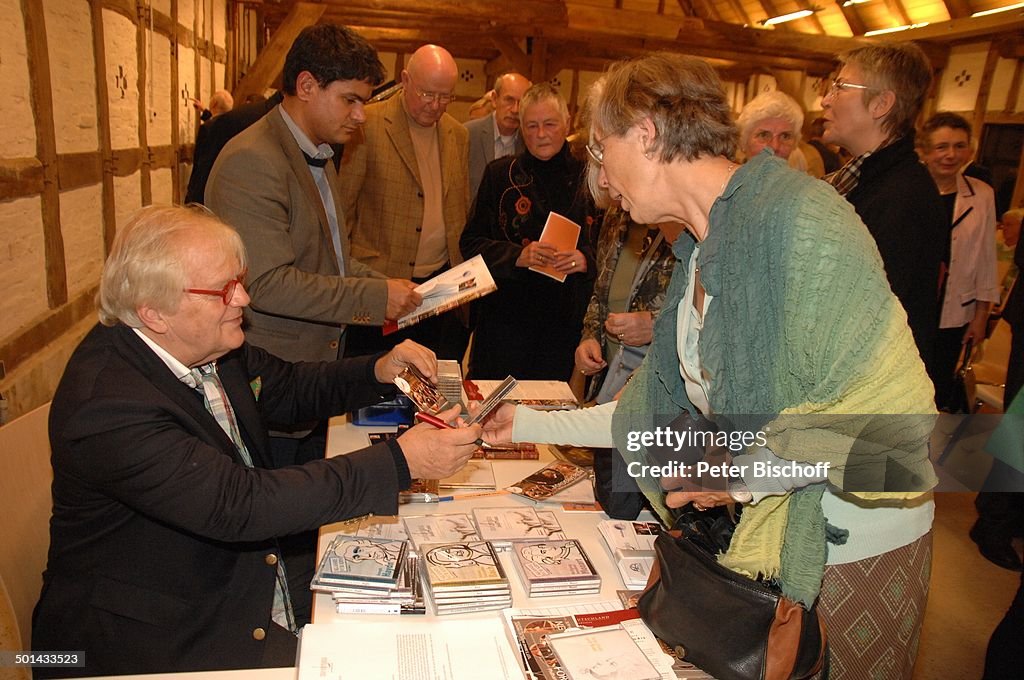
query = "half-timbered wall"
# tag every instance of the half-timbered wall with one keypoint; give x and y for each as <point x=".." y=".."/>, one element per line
<point x="97" y="121"/>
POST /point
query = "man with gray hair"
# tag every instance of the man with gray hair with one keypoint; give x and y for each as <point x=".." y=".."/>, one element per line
<point x="405" y="191"/>
<point x="164" y="551"/>
<point x="869" y="109"/>
<point x="496" y="135"/>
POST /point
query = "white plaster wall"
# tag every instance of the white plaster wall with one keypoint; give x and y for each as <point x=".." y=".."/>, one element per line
<point x="162" y="186"/>
<point x="186" y="91"/>
<point x="961" y="79"/>
<point x="811" y="95"/>
<point x="760" y="83"/>
<point x="119" y="44"/>
<point x="562" y="81"/>
<point x="220" y="24"/>
<point x="73" y="75"/>
<point x="472" y="81"/>
<point x="22" y="264"/>
<point x="186" y="13"/>
<point x="206" y="86"/>
<point x="127" y="197"/>
<point x="18" y="133"/>
<point x="218" y="76"/>
<point x="162" y="6"/>
<point x="158" y="73"/>
<point x="81" y="215"/>
<point x="1002" y="80"/>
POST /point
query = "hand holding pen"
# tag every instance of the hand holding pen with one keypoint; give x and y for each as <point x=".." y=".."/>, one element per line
<point x="440" y="424"/>
<point x="436" y="453"/>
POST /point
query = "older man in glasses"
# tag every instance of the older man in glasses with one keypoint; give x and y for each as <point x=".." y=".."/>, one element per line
<point x="869" y="109"/>
<point x="405" y="190"/>
<point x="164" y="551"/>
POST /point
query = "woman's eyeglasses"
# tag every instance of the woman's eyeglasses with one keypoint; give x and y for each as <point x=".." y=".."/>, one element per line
<point x="837" y="85"/>
<point x="596" y="150"/>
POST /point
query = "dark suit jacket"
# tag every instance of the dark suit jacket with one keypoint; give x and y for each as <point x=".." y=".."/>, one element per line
<point x="481" y="150"/>
<point x="898" y="202"/>
<point x="162" y="544"/>
<point x="212" y="137"/>
<point x="262" y="186"/>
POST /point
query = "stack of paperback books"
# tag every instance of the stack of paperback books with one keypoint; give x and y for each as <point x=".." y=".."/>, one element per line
<point x="370" y="575"/>
<point x="464" y="576"/>
<point x="632" y="546"/>
<point x="555" y="568"/>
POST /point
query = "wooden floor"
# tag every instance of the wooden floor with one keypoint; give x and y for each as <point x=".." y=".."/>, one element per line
<point x="968" y="596"/>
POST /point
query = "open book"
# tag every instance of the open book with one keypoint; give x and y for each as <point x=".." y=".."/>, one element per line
<point x="460" y="284"/>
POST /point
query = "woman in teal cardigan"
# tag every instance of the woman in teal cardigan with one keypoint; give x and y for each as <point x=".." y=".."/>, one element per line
<point x="779" y="325"/>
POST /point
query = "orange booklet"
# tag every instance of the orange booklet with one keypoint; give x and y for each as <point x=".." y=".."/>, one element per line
<point x="562" y="233"/>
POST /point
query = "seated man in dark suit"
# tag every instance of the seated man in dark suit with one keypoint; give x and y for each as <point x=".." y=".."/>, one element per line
<point x="163" y="542"/>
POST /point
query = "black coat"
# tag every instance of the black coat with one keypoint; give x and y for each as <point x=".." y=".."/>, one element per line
<point x="900" y="205"/>
<point x="530" y="326"/>
<point x="214" y="134"/>
<point x="162" y="541"/>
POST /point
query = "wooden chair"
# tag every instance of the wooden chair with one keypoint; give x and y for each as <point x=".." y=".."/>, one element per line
<point x="25" y="506"/>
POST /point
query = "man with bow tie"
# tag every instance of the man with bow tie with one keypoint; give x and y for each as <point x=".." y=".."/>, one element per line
<point x="164" y="542"/>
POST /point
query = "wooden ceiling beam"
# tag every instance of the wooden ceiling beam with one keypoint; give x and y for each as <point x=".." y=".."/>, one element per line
<point x="521" y="11"/>
<point x="960" y="29"/>
<point x="629" y="23"/>
<point x="853" y="19"/>
<point x="1011" y="47"/>
<point x="958" y="9"/>
<point x="270" y="61"/>
<point x="510" y="49"/>
<point x="594" y="47"/>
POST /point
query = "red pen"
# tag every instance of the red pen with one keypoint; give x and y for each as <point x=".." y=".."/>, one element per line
<point x="441" y="425"/>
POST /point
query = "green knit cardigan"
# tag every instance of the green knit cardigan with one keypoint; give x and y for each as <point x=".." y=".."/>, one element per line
<point x="804" y="341"/>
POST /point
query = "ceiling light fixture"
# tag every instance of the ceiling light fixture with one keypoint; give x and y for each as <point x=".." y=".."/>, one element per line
<point x="895" y="29"/>
<point x="997" y="10"/>
<point x="850" y="3"/>
<point x="783" y="18"/>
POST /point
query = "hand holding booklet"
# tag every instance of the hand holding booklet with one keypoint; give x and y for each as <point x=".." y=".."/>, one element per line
<point x="460" y="284"/>
<point x="563" y="234"/>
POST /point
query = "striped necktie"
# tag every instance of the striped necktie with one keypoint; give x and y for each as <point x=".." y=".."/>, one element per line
<point x="216" y="399"/>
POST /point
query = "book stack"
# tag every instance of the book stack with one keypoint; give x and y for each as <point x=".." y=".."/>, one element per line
<point x="464" y="577"/>
<point x="366" y="574"/>
<point x="632" y="546"/>
<point x="555" y="568"/>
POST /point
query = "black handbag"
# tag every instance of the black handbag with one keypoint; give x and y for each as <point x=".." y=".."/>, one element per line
<point x="732" y="627"/>
<point x="963" y="397"/>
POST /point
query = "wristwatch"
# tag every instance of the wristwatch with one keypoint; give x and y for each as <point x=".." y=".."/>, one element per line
<point x="737" y="490"/>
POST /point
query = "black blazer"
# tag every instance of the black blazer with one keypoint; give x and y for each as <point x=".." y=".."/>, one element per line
<point x="898" y="202"/>
<point x="163" y="543"/>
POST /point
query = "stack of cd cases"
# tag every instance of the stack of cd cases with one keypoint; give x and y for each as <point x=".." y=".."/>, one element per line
<point x="555" y="568"/>
<point x="464" y="576"/>
<point x="370" y="575"/>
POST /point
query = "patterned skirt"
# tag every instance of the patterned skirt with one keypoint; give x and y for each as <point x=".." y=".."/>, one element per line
<point x="873" y="610"/>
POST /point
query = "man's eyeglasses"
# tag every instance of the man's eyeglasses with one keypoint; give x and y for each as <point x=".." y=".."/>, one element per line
<point x="837" y="85"/>
<point x="442" y="98"/>
<point x="225" y="293"/>
<point x="766" y="137"/>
